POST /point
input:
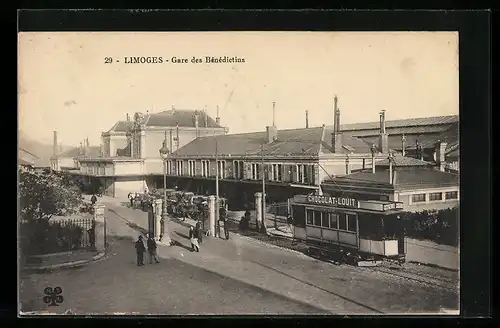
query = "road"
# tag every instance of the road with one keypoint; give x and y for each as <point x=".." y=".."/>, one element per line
<point x="239" y="276"/>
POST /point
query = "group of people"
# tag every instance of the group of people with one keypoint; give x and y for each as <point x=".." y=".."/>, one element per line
<point x="151" y="248"/>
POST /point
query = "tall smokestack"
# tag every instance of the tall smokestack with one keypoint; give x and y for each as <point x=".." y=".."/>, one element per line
<point x="177" y="137"/>
<point x="217" y="118"/>
<point x="383" y="137"/>
<point x="128" y="118"/>
<point x="390" y="168"/>
<point x="307" y="119"/>
<point x="274" y="113"/>
<point x="54" y="149"/>
<point x="336" y="135"/>
<point x="403" y="145"/>
<point x="205" y="116"/>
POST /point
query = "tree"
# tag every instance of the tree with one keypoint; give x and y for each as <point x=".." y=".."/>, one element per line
<point x="45" y="194"/>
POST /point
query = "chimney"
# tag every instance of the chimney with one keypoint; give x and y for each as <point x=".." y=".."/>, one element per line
<point x="54" y="149"/>
<point x="440" y="148"/>
<point x="373" y="158"/>
<point x="347" y="167"/>
<point x="272" y="133"/>
<point x="86" y="147"/>
<point x="383" y="138"/>
<point x="171" y="141"/>
<point x="403" y="145"/>
<point x="128" y="118"/>
<point x="274" y="113"/>
<point x="390" y="168"/>
<point x="177" y="137"/>
<point x="336" y="135"/>
<point x="195" y="121"/>
<point x="205" y="116"/>
<point x="307" y="119"/>
<point x="217" y="119"/>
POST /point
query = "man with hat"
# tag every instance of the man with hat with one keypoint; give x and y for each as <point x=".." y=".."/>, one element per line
<point x="140" y="249"/>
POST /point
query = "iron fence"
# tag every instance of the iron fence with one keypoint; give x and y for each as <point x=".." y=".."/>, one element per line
<point x="57" y="236"/>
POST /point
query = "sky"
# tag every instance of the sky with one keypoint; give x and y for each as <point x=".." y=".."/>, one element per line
<point x="65" y="84"/>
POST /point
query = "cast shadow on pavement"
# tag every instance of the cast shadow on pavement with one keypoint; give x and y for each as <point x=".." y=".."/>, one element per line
<point x="176" y="243"/>
<point x="182" y="235"/>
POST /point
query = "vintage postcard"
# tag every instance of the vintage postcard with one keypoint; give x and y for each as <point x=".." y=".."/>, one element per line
<point x="236" y="173"/>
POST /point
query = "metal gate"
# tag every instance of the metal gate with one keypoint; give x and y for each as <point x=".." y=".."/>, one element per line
<point x="276" y="215"/>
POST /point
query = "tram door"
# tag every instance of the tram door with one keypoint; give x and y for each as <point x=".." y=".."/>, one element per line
<point x="401" y="236"/>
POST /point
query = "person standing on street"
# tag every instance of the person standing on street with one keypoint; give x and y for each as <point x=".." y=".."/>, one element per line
<point x="93" y="199"/>
<point x="131" y="199"/>
<point x="152" y="250"/>
<point x="193" y="237"/>
<point x="199" y="231"/>
<point x="140" y="249"/>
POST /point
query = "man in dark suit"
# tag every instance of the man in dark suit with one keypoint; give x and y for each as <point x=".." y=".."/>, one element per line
<point x="152" y="250"/>
<point x="140" y="249"/>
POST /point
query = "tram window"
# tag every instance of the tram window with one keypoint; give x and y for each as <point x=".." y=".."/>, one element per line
<point x="317" y="219"/>
<point x="342" y="222"/>
<point x="310" y="217"/>
<point x="351" y="222"/>
<point x="333" y="220"/>
<point x="416" y="198"/>
<point x="325" y="222"/>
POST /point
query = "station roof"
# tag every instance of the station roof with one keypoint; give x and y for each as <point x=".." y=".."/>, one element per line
<point x="170" y="118"/>
<point x="290" y="142"/>
<point x="409" y="177"/>
<point x="93" y="151"/>
<point x="411" y="124"/>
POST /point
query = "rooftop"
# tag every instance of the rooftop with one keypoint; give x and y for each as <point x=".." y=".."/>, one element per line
<point x="170" y="118"/>
<point x="404" y="123"/>
<point x="93" y="151"/>
<point x="403" y="161"/>
<point x="405" y="177"/>
<point x="290" y="142"/>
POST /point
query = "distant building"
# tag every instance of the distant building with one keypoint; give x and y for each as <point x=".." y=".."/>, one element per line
<point x="70" y="160"/>
<point x="417" y="184"/>
<point x="25" y="159"/>
<point x="130" y="149"/>
<point x="416" y="137"/>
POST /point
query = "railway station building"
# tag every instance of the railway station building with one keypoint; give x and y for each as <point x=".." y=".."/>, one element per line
<point x="417" y="184"/>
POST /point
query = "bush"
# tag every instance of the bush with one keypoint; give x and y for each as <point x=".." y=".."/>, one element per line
<point x="440" y="226"/>
<point x="45" y="237"/>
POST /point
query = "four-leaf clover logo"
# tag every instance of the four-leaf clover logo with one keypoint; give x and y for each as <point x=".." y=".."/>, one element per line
<point x="53" y="296"/>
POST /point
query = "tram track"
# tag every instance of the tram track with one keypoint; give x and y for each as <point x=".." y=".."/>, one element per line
<point x="416" y="277"/>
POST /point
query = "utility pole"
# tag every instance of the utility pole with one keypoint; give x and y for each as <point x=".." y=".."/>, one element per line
<point x="263" y="190"/>
<point x="217" y="227"/>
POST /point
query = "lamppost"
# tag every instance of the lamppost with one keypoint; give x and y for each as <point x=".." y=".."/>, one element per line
<point x="164" y="152"/>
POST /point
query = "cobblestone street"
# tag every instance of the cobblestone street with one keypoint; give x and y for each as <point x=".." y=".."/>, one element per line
<point x="239" y="276"/>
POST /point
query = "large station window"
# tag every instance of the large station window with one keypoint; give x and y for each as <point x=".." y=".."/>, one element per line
<point x="351" y="222"/>
<point x="435" y="196"/>
<point x="299" y="216"/>
<point x="451" y="195"/>
<point x="342" y="222"/>
<point x="418" y="198"/>
<point x="325" y="222"/>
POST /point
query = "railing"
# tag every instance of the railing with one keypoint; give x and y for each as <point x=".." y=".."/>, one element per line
<point x="58" y="236"/>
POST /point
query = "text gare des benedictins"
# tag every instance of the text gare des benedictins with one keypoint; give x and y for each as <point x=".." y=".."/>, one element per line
<point x="175" y="60"/>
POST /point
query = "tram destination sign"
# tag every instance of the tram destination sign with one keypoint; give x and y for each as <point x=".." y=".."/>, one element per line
<point x="334" y="201"/>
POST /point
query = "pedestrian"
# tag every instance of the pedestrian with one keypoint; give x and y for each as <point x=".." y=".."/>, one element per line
<point x="131" y="199"/>
<point x="152" y="250"/>
<point x="193" y="236"/>
<point x="140" y="249"/>
<point x="93" y="199"/>
<point x="199" y="231"/>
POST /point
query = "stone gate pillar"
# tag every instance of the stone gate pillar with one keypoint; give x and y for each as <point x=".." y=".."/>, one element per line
<point x="157" y="210"/>
<point x="211" y="214"/>
<point x="258" y="210"/>
<point x="99" y="228"/>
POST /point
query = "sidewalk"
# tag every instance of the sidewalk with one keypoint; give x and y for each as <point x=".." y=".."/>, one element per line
<point x="61" y="260"/>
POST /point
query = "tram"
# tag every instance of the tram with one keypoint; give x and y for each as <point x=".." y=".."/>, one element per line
<point x="348" y="230"/>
